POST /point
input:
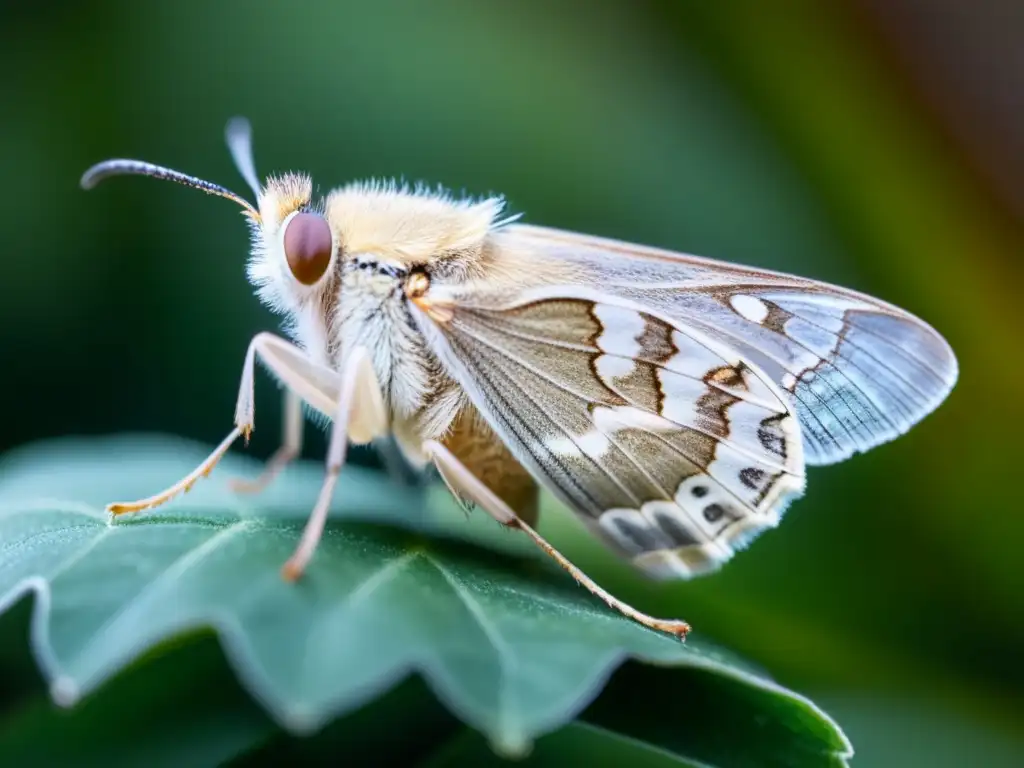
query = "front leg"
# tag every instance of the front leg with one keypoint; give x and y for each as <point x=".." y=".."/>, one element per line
<point x="360" y="416"/>
<point x="294" y="422"/>
<point x="310" y="382"/>
<point x="352" y="398"/>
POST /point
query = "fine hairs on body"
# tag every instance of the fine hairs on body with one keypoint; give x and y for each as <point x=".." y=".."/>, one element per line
<point x="672" y="402"/>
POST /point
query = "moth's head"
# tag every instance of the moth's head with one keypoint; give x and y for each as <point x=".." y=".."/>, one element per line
<point x="294" y="245"/>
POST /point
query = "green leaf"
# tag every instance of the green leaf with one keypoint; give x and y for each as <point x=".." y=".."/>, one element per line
<point x="180" y="705"/>
<point x="179" y="708"/>
<point x="759" y="730"/>
<point x="576" y="743"/>
<point x="510" y="645"/>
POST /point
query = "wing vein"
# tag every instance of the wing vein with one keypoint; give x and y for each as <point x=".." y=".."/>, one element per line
<point x="582" y="397"/>
<point x="560" y="344"/>
<point x="537" y="440"/>
<point x="866" y="351"/>
<point x="824" y="403"/>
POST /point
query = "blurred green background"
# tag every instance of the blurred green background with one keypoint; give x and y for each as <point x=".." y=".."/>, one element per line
<point x="875" y="144"/>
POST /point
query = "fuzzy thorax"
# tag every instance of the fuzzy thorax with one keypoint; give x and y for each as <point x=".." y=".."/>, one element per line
<point x="409" y="227"/>
<point x="382" y="234"/>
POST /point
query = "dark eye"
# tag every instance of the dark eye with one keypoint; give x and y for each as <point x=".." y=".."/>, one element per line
<point x="307" y="246"/>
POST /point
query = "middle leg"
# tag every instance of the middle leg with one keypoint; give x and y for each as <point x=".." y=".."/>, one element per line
<point x="291" y="446"/>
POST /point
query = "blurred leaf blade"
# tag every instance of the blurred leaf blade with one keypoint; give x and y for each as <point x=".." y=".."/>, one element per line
<point x="514" y="649"/>
<point x="688" y="720"/>
<point x="179" y="708"/>
<point x="182" y="705"/>
<point x="579" y="742"/>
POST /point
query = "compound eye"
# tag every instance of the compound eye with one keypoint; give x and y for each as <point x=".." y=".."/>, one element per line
<point x="307" y="246"/>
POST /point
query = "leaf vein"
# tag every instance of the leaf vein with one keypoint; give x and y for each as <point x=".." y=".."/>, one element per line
<point x="173" y="570"/>
<point x="362" y="591"/>
<point x="77" y="557"/>
<point x="505" y="658"/>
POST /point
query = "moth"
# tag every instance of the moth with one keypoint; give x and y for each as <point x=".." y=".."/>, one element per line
<point x="672" y="402"/>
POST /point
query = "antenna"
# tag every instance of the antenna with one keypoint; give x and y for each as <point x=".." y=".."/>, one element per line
<point x="121" y="167"/>
<point x="238" y="134"/>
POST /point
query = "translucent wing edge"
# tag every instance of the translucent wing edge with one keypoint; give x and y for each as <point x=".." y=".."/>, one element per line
<point x="616" y="262"/>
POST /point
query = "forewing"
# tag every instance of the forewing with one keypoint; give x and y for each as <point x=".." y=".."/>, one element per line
<point x="672" y="446"/>
<point x="860" y="371"/>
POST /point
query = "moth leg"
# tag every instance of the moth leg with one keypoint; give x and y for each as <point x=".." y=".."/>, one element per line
<point x="313" y="383"/>
<point x="360" y="416"/>
<point x="185" y="484"/>
<point x="462" y="482"/>
<point x="291" y="446"/>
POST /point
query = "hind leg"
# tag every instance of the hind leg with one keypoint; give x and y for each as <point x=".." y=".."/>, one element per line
<point x="463" y="483"/>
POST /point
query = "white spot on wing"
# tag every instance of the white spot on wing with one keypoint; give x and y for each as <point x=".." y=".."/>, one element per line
<point x="680" y="397"/>
<point x="693" y="358"/>
<point x="609" y="367"/>
<point x="621" y="329"/>
<point x="609" y="419"/>
<point x="683" y="562"/>
<point x="664" y="564"/>
<point x="750" y="307"/>
<point x="593" y="444"/>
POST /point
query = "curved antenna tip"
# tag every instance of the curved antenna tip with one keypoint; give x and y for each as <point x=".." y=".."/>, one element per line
<point x="122" y="167"/>
<point x="98" y="172"/>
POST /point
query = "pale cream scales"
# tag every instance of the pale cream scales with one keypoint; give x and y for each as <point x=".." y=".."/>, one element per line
<point x="668" y="400"/>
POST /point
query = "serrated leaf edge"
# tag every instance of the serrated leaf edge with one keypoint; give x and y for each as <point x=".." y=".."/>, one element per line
<point x="65" y="692"/>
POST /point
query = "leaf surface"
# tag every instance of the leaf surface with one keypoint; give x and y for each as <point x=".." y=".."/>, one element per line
<point x="510" y="645"/>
